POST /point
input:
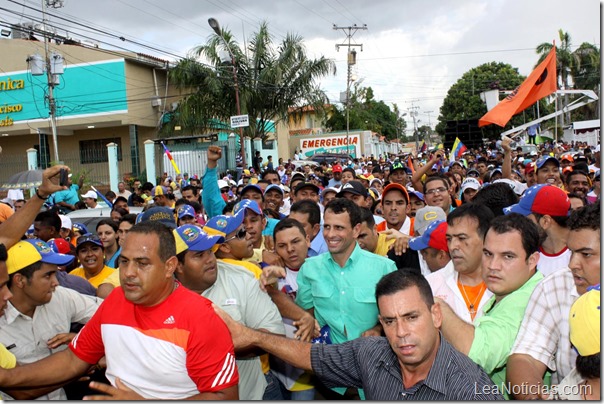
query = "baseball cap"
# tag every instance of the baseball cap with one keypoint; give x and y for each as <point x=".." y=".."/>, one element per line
<point x="336" y="168"/>
<point x="398" y="165"/>
<point x="330" y="189"/>
<point x="306" y="185"/>
<point x="79" y="227"/>
<point x="222" y="184"/>
<point x="470" y="183"/>
<point x="186" y="210"/>
<point x="434" y="236"/>
<point x="418" y="195"/>
<point x="541" y="161"/>
<point x="247" y="173"/>
<point x="567" y="157"/>
<point x="159" y="191"/>
<point x="584" y="322"/>
<point x="191" y="237"/>
<point x="90" y="194"/>
<point x="398" y="187"/>
<point x="516" y="186"/>
<point x="247" y="204"/>
<point x="59" y="245"/>
<point x="28" y="252"/>
<point x="274" y="187"/>
<point x="222" y="225"/>
<point x="252" y="187"/>
<point x="376" y="180"/>
<point x="88" y="238"/>
<point x="543" y="199"/>
<point x="472" y="171"/>
<point x="529" y="167"/>
<point x="65" y="222"/>
<point x="353" y="187"/>
<point x="162" y="214"/>
<point x="425" y="216"/>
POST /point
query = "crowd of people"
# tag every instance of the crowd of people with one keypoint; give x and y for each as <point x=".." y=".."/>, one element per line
<point x="424" y="276"/>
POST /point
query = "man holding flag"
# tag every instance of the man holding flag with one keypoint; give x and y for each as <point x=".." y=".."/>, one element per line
<point x="539" y="84"/>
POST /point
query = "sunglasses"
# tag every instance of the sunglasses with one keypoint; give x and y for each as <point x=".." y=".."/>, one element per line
<point x="239" y="236"/>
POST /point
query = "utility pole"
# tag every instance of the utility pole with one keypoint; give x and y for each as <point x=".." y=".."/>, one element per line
<point x="413" y="113"/>
<point x="351" y="60"/>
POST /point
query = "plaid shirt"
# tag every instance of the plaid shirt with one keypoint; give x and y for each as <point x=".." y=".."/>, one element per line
<point x="544" y="332"/>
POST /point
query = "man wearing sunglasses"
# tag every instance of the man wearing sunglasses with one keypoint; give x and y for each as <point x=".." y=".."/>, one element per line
<point x="233" y="289"/>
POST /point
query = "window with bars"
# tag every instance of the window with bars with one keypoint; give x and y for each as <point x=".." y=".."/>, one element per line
<point x="95" y="151"/>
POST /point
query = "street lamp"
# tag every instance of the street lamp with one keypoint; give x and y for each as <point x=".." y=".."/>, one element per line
<point x="216" y="27"/>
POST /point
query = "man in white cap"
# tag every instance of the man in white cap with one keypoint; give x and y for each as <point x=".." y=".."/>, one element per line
<point x="89" y="199"/>
<point x="469" y="187"/>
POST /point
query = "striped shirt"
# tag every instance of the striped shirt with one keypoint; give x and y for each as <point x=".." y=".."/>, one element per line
<point x="371" y="364"/>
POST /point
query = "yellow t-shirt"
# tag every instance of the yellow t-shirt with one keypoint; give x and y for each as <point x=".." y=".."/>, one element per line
<point x="383" y="245"/>
<point x="7" y="359"/>
<point x="99" y="278"/>
<point x="255" y="269"/>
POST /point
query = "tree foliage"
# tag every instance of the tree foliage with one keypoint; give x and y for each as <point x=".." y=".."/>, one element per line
<point x="271" y="79"/>
<point x="366" y="113"/>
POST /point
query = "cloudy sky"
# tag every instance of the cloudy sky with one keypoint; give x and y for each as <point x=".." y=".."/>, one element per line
<point x="413" y="50"/>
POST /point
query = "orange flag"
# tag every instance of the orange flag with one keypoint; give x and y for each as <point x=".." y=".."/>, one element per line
<point x="540" y="83"/>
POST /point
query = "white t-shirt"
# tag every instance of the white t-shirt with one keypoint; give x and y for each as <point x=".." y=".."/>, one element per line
<point x="548" y="264"/>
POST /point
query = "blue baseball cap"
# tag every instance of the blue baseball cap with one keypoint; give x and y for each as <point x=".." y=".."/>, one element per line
<point x="162" y="214"/>
<point x="191" y="237"/>
<point x="434" y="236"/>
<point x="542" y="199"/>
<point x="79" y="227"/>
<point x="418" y="195"/>
<point x="186" y="210"/>
<point x="541" y="161"/>
<point x="28" y="252"/>
<point x="222" y="225"/>
<point x="252" y="187"/>
<point x="274" y="187"/>
<point x="247" y="204"/>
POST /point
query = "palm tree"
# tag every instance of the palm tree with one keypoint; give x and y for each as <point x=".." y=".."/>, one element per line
<point x="586" y="73"/>
<point x="271" y="80"/>
<point x="564" y="62"/>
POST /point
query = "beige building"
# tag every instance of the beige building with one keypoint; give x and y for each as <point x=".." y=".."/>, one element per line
<point x="102" y="96"/>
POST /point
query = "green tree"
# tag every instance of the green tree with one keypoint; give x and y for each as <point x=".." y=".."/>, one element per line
<point x="586" y="76"/>
<point x="367" y="114"/>
<point x="271" y="78"/>
<point x="463" y="98"/>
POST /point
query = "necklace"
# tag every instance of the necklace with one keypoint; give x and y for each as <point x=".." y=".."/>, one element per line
<point x="471" y="305"/>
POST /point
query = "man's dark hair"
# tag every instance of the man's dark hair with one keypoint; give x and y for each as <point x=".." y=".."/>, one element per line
<point x="228" y="208"/>
<point x="26" y="272"/>
<point x="288" y="223"/>
<point x="189" y="188"/>
<point x="480" y="213"/>
<point x="367" y="217"/>
<point x="588" y="217"/>
<point x="121" y="211"/>
<point x="107" y="222"/>
<point x="588" y="367"/>
<point x="3" y="253"/>
<point x="577" y="196"/>
<point x="137" y="199"/>
<point x="397" y="281"/>
<point x="130" y="218"/>
<point x="574" y="172"/>
<point x="167" y="245"/>
<point x="147" y="186"/>
<point x="341" y="205"/>
<point x="437" y="177"/>
<point x="529" y="232"/>
<point x="120" y="199"/>
<point x="109" y="195"/>
<point x="308" y="207"/>
<point x="50" y="219"/>
<point x="496" y="197"/>
<point x="376" y="170"/>
<point x="561" y="221"/>
<point x="354" y="174"/>
<point x="269" y="171"/>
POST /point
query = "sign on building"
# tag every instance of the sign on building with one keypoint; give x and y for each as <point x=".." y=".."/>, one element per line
<point x="331" y="144"/>
<point x="240" y="121"/>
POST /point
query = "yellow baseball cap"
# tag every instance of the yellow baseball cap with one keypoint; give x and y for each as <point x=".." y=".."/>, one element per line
<point x="28" y="252"/>
<point x="584" y="322"/>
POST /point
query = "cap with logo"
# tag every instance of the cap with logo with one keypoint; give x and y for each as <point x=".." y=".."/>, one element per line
<point x="425" y="216"/>
<point x="28" y="252"/>
<point x="247" y="204"/>
<point x="222" y="184"/>
<point x="584" y="322"/>
<point x="417" y="194"/>
<point x="336" y="168"/>
<point x="59" y="245"/>
<point x="186" y="210"/>
<point x="541" y="161"/>
<point x="88" y="238"/>
<point x="434" y="236"/>
<point x="470" y="183"/>
<point x="79" y="227"/>
<point x="353" y="187"/>
<point x="542" y="199"/>
<point x="191" y="237"/>
<point x="162" y="214"/>
<point x="222" y="225"/>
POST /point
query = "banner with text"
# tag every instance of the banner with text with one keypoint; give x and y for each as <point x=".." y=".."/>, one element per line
<point x="331" y="144"/>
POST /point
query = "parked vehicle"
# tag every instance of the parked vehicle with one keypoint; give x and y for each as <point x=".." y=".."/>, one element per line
<point x="330" y="158"/>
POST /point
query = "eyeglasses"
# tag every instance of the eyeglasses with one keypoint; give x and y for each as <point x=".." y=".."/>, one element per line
<point x="435" y="191"/>
<point x="239" y="236"/>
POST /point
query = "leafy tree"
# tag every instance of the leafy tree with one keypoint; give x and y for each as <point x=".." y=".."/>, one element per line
<point x="367" y="114"/>
<point x="581" y="67"/>
<point x="270" y="78"/>
<point x="463" y="98"/>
